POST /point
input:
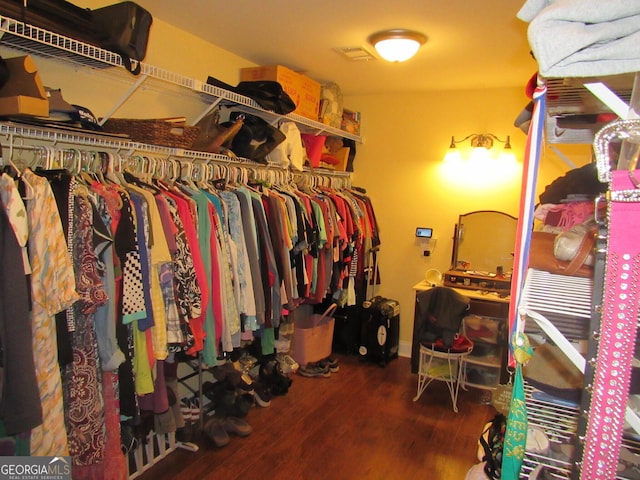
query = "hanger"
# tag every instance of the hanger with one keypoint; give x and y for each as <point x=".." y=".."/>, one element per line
<point x="14" y="172"/>
<point x="160" y="168"/>
<point x="115" y="169"/>
<point x="187" y="174"/>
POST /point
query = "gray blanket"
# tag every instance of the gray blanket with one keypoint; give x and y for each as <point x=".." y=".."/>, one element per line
<point x="583" y="38"/>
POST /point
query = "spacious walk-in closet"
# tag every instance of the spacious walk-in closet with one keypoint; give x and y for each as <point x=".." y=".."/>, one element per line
<point x="242" y="243"/>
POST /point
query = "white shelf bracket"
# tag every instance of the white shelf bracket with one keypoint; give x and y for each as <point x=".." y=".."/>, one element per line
<point x="124" y="98"/>
<point x="609" y="98"/>
<point x="207" y="110"/>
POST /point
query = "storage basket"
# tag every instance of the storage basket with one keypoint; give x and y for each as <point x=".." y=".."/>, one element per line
<point x="154" y="131"/>
<point x="313" y="336"/>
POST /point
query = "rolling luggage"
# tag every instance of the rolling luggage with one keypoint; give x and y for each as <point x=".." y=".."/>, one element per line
<point x="347" y="329"/>
<point x="379" y="320"/>
<point x="380" y="333"/>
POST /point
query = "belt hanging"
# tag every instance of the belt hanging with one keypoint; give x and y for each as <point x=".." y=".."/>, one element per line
<point x="618" y="327"/>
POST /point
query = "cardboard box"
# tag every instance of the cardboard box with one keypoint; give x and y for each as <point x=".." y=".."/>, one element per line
<point x="23" y="93"/>
<point x="304" y="91"/>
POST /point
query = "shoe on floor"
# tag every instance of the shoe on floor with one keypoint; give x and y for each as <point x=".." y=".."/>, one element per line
<point x="195" y="409"/>
<point x="215" y="430"/>
<point x="287" y="363"/>
<point x="242" y="404"/>
<point x="272" y="376"/>
<point x="314" y="370"/>
<point x="332" y="363"/>
<point x="236" y="426"/>
<point x="185" y="411"/>
<point x="262" y="394"/>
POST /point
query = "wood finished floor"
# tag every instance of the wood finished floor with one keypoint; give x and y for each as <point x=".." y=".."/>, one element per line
<point x="358" y="424"/>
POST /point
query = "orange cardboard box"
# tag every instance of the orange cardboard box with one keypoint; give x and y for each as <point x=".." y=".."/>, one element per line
<point x="23" y="94"/>
<point x="304" y="91"/>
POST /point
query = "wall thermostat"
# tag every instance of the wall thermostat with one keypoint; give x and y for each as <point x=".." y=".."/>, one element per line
<point x="423" y="232"/>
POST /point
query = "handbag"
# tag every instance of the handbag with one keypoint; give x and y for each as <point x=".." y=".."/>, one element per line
<point x="545" y="245"/>
<point x="214" y="137"/>
<point x="492" y="443"/>
<point x="256" y="138"/>
<point x="269" y="94"/>
<point x="123" y="28"/>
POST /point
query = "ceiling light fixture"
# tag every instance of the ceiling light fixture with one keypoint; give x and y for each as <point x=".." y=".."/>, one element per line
<point x="397" y="45"/>
<point x="481" y="143"/>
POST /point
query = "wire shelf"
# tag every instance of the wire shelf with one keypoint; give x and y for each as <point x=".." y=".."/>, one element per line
<point x="37" y="41"/>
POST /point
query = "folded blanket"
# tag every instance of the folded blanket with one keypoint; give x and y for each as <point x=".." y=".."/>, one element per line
<point x="583" y="38"/>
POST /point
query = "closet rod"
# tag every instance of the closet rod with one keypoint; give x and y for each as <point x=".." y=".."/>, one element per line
<point x="86" y="158"/>
<point x="61" y="139"/>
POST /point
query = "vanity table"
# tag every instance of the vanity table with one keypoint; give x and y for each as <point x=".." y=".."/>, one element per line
<point x="481" y="265"/>
<point x="487" y="325"/>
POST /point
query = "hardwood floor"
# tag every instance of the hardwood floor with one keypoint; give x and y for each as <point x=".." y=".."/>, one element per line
<point x="360" y="423"/>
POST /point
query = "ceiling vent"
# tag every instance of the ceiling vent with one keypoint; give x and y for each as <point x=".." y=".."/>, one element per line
<point x="355" y="54"/>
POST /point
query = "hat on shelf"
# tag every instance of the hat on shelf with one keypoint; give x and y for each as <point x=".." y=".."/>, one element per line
<point x="63" y="112"/>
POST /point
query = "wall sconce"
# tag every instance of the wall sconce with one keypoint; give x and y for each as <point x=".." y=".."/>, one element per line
<point x="397" y="45"/>
<point x="481" y="143"/>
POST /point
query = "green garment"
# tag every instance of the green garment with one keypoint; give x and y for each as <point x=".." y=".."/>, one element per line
<point x="515" y="438"/>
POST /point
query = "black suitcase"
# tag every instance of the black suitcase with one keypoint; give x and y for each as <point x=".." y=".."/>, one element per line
<point x="380" y="335"/>
<point x="347" y="329"/>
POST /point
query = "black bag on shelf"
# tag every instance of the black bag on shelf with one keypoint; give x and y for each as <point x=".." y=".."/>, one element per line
<point x="256" y="138"/>
<point x="269" y="94"/>
<point x="123" y="28"/>
<point x="57" y="16"/>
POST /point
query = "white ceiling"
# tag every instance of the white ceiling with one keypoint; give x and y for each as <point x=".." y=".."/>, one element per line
<point x="471" y="43"/>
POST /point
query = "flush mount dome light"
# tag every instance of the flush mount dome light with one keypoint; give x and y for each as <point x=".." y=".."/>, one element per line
<point x="397" y="45"/>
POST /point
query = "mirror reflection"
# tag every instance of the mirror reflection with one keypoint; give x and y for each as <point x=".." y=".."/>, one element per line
<point x="484" y="242"/>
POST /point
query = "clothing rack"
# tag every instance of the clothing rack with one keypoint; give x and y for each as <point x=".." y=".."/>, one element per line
<point x="28" y="147"/>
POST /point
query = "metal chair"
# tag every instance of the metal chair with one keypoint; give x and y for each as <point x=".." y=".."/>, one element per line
<point x="436" y="362"/>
